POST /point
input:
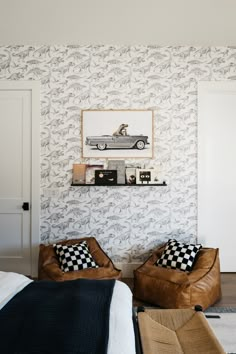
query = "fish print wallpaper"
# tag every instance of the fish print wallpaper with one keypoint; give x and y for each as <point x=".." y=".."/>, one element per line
<point x="127" y="221"/>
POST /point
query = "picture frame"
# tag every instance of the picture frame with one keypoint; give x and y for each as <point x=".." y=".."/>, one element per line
<point x="117" y="133"/>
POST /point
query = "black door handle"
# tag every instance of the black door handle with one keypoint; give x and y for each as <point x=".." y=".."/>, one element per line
<point x="25" y="206"/>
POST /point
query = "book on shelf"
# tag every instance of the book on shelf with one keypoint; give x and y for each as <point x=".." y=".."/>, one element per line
<point x="119" y="166"/>
<point x="78" y="173"/>
<point x="106" y="177"/>
<point x="90" y="173"/>
<point x="130" y="173"/>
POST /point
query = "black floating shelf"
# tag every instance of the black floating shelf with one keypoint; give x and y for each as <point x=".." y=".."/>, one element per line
<point x="120" y="185"/>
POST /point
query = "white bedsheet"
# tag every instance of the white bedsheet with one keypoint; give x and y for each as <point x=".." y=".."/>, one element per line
<point x="10" y="285"/>
<point x="121" y="333"/>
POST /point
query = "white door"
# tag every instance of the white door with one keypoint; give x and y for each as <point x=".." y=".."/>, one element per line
<point x="217" y="169"/>
<point x="17" y="243"/>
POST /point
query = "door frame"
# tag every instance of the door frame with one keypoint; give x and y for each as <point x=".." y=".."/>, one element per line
<point x="208" y="186"/>
<point x="34" y="88"/>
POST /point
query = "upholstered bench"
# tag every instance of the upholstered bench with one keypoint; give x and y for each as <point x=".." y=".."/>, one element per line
<point x="176" y="331"/>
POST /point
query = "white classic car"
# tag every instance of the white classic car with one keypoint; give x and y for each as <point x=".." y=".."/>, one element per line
<point x="118" y="140"/>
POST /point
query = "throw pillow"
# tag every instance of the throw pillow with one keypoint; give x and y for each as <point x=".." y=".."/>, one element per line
<point x="178" y="255"/>
<point x="74" y="257"/>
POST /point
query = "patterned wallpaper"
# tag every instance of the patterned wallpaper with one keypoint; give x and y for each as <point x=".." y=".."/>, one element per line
<point x="127" y="221"/>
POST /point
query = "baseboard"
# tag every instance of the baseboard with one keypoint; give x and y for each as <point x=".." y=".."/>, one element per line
<point x="127" y="269"/>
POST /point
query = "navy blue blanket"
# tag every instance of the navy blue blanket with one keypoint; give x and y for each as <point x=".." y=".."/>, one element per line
<point x="69" y="317"/>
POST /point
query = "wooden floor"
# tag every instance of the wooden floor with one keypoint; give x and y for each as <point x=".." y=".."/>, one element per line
<point x="228" y="286"/>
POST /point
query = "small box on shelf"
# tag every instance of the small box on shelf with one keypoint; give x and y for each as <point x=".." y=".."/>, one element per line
<point x="147" y="176"/>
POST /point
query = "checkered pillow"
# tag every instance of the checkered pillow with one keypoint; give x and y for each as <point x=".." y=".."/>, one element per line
<point x="74" y="257"/>
<point x="178" y="255"/>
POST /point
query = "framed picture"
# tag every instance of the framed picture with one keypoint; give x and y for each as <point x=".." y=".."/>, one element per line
<point x="117" y="133"/>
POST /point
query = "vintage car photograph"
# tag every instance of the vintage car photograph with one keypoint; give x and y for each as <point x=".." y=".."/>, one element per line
<point x="120" y="139"/>
<point x="117" y="133"/>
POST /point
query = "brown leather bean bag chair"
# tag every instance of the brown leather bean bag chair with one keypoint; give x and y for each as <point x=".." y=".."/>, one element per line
<point x="49" y="267"/>
<point x="170" y="288"/>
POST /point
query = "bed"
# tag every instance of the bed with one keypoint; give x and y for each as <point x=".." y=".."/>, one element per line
<point x="78" y="316"/>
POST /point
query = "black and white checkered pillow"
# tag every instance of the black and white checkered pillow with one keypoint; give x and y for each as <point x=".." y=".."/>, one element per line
<point x="177" y="255"/>
<point x="74" y="257"/>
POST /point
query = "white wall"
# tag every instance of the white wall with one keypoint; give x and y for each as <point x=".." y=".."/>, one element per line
<point x="162" y="22"/>
<point x="217" y="169"/>
<point x="162" y="78"/>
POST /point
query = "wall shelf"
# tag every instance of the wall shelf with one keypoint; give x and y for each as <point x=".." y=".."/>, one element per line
<point x="121" y="185"/>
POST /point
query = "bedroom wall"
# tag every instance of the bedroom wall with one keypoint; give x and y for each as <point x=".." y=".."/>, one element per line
<point x="128" y="222"/>
<point x="132" y="22"/>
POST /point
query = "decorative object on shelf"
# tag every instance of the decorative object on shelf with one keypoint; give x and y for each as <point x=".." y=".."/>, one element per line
<point x="117" y="133"/>
<point x="105" y="177"/>
<point x="147" y="176"/>
<point x="119" y="166"/>
<point x="90" y="173"/>
<point x="130" y="173"/>
<point x="79" y="171"/>
<point x="162" y="184"/>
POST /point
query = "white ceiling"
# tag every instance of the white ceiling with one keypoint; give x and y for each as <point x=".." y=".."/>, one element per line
<point x="128" y="22"/>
